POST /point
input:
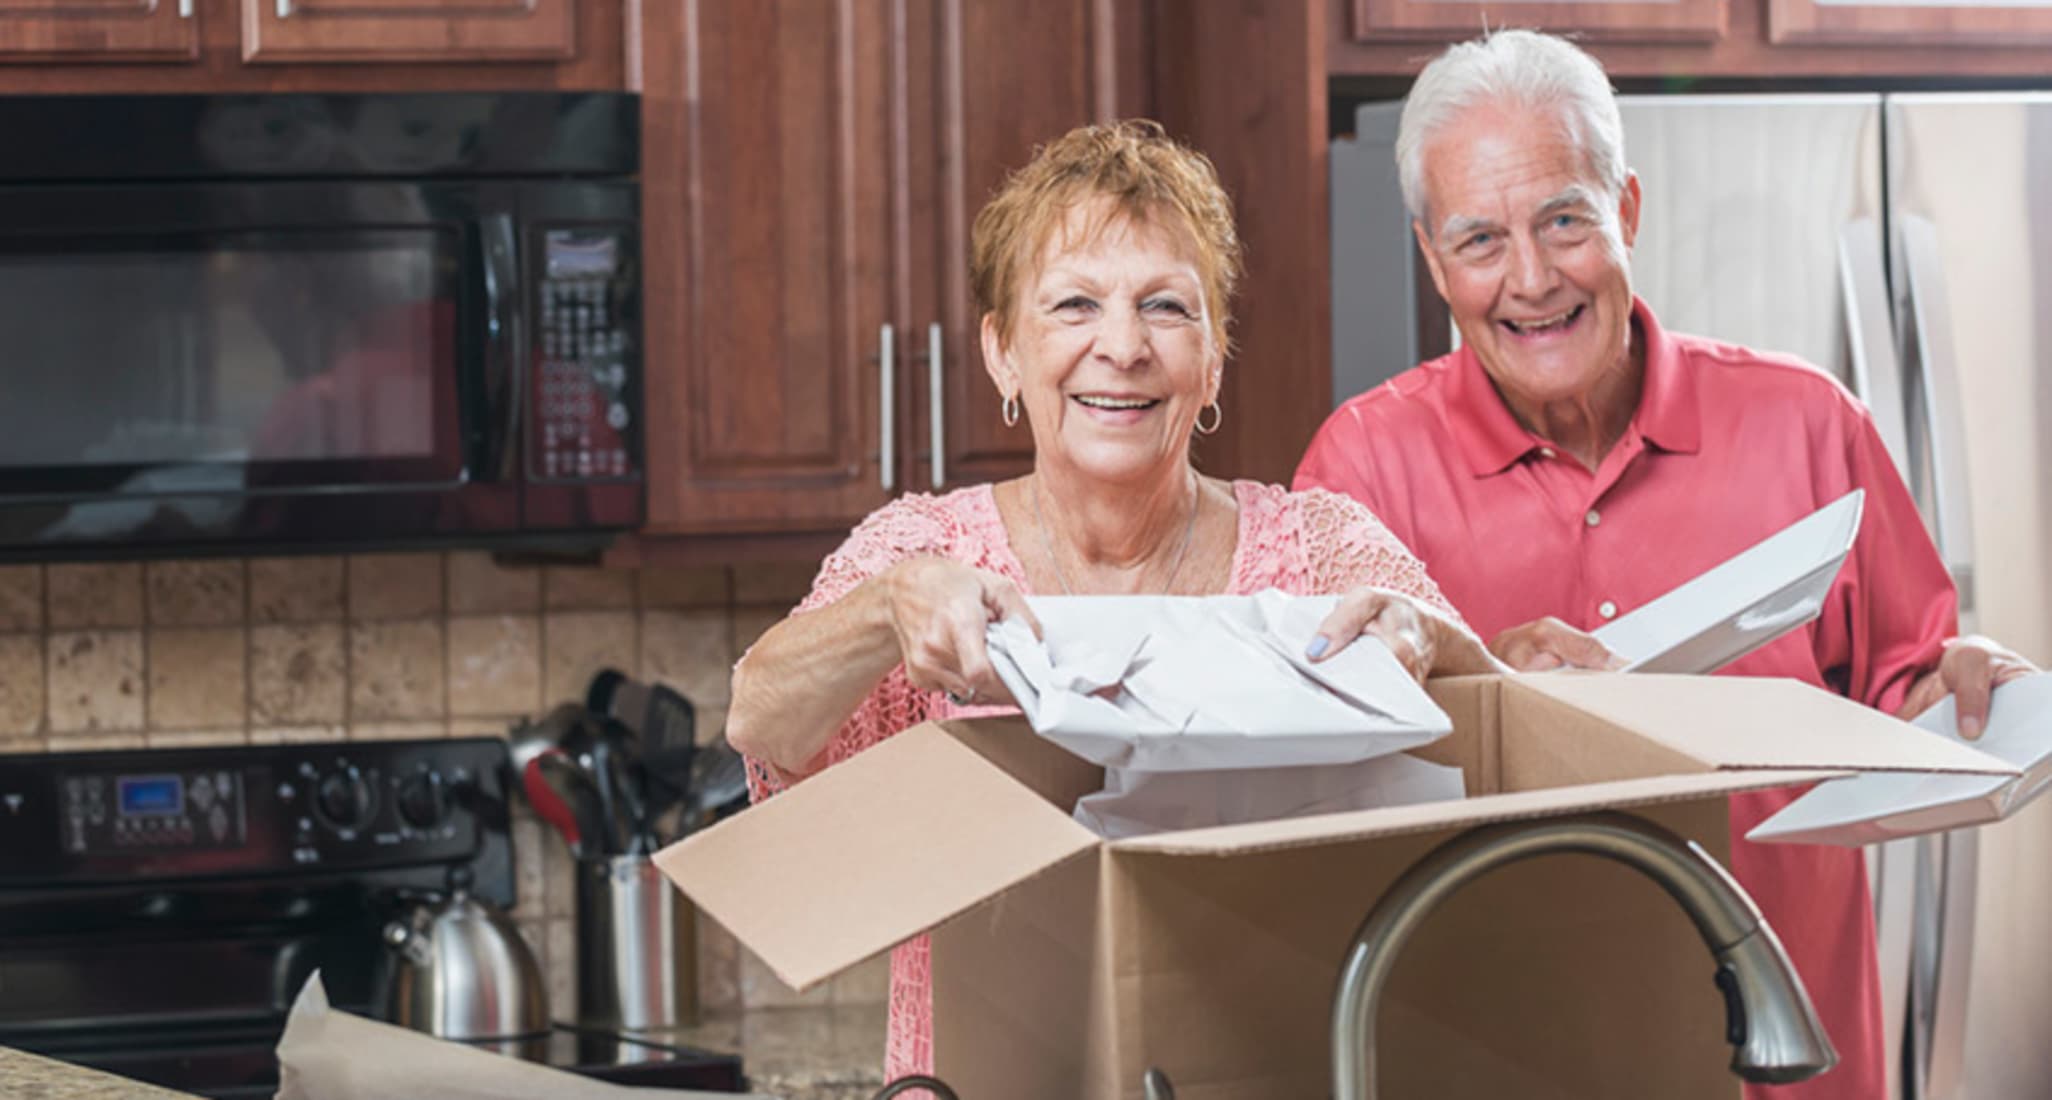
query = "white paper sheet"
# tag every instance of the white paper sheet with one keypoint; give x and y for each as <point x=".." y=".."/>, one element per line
<point x="1164" y="684"/>
<point x="330" y="1055"/>
<point x="1879" y="806"/>
<point x="1138" y="803"/>
<point x="1742" y="603"/>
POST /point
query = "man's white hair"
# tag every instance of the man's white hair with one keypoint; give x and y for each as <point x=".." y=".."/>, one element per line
<point x="1515" y="68"/>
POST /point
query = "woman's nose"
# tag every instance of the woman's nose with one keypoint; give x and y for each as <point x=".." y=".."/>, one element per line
<point x="1122" y="338"/>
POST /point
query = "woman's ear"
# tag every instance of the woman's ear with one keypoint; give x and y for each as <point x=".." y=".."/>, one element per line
<point x="997" y="358"/>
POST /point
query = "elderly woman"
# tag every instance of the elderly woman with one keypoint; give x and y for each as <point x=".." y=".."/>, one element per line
<point x="1102" y="270"/>
<point x="1618" y="459"/>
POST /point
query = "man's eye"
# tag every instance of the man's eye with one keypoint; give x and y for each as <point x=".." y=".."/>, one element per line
<point x="1478" y="241"/>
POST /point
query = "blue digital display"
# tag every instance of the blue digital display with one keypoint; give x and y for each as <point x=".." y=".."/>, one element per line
<point x="151" y="794"/>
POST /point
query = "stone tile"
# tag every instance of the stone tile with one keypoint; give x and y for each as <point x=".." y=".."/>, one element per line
<point x="690" y="651"/>
<point x="712" y="722"/>
<point x="577" y="644"/>
<point x="94" y="594"/>
<point x="298" y="675"/>
<point x="750" y="623"/>
<point x="195" y="593"/>
<point x="21" y="597"/>
<point x="536" y="935"/>
<point x="867" y="982"/>
<point x="530" y="885"/>
<point x="297" y="735"/>
<point x="480" y="727"/>
<point x="559" y="875"/>
<point x="779" y="584"/>
<point x="296" y="590"/>
<point x="398" y="731"/>
<point x="562" y="971"/>
<point x="21" y="685"/>
<point x="494" y="665"/>
<point x="196" y="677"/>
<point x="96" y="681"/>
<point x="762" y="989"/>
<point x="719" y="968"/>
<point x="27" y="745"/>
<point x="190" y="739"/>
<point x="395" y="586"/>
<point x="566" y="588"/>
<point x="395" y="672"/>
<point x="478" y="585"/>
<point x="686" y="586"/>
<point x="95" y="742"/>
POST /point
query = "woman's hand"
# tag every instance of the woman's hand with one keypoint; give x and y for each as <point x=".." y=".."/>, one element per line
<point x="939" y="610"/>
<point x="1424" y="641"/>
<point x="1971" y="668"/>
<point x="1549" y="643"/>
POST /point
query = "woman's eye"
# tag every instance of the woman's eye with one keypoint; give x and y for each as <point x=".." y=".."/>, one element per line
<point x="1074" y="303"/>
<point x="1166" y="305"/>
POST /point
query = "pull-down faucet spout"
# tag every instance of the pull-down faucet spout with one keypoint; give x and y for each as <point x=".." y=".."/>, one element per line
<point x="1769" y="1020"/>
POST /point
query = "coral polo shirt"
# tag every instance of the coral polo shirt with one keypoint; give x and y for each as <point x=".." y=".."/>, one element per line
<point x="1727" y="447"/>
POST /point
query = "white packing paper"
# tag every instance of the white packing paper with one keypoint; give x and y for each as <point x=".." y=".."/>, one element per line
<point x="1744" y="602"/>
<point x="330" y="1055"/>
<point x="1138" y="803"/>
<point x="1180" y="683"/>
<point x="1879" y="806"/>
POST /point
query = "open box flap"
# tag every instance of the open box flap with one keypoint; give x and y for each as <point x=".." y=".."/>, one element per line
<point x="880" y="848"/>
<point x="1757" y="722"/>
<point x="1305" y="832"/>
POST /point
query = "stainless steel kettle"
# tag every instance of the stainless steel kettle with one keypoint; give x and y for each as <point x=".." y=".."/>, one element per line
<point x="459" y="970"/>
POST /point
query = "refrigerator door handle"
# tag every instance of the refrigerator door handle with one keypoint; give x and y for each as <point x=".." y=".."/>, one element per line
<point x="1870" y="336"/>
<point x="1944" y="424"/>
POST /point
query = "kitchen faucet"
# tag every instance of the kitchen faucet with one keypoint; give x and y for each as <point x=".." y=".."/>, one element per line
<point x="1768" y="1017"/>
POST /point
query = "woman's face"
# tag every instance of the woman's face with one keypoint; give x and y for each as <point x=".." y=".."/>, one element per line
<point x="1111" y="352"/>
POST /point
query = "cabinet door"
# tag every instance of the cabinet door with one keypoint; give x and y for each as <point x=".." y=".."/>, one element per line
<point x="990" y="81"/>
<point x="766" y="180"/>
<point x="408" y="30"/>
<point x="1606" y="20"/>
<point x="98" y="30"/>
<point x="1927" y="23"/>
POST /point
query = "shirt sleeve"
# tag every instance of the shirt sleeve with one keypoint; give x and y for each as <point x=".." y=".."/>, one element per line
<point x="902" y="529"/>
<point x="1899" y="605"/>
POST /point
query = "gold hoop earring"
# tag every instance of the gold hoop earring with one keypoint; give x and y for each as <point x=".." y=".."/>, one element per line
<point x="1010" y="410"/>
<point x="1217" y="418"/>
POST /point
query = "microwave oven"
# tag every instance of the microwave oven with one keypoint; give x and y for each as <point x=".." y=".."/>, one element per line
<point x="280" y="323"/>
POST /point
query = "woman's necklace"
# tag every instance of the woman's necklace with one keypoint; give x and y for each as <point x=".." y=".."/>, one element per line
<point x="1047" y="544"/>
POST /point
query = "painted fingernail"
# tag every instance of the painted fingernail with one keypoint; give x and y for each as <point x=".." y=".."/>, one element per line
<point x="1969" y="726"/>
<point x="1319" y="644"/>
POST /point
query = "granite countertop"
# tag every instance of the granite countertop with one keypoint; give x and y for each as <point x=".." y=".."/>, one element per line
<point x="824" y="1052"/>
<point x="25" y="1076"/>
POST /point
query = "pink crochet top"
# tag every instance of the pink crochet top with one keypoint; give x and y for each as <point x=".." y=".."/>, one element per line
<point x="1304" y="543"/>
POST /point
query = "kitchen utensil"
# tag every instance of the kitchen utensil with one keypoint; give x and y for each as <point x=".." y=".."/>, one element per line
<point x="637" y="947"/>
<point x="666" y="725"/>
<point x="549" y="804"/>
<point x="718" y="787"/>
<point x="461" y="971"/>
<point x="575" y="787"/>
<point x="621" y="781"/>
<point x="529" y="739"/>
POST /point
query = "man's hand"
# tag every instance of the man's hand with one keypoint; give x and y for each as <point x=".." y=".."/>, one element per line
<point x="1549" y="643"/>
<point x="1970" y="668"/>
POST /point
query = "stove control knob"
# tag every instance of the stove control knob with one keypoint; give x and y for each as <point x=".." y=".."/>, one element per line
<point x="344" y="799"/>
<point x="424" y="800"/>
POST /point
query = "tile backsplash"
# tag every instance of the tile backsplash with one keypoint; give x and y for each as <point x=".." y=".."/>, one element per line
<point x="235" y="651"/>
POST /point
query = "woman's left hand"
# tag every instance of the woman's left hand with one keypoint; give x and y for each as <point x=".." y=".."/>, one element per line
<point x="1424" y="641"/>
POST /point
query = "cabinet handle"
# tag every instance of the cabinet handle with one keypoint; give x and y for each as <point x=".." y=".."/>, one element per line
<point x="937" y="410"/>
<point x="887" y="420"/>
<point x="185" y="9"/>
<point x="284" y="9"/>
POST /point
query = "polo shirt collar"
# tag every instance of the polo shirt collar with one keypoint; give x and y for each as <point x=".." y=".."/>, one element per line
<point x="1492" y="440"/>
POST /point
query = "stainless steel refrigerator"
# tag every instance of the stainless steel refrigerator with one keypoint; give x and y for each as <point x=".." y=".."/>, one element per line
<point x="1905" y="243"/>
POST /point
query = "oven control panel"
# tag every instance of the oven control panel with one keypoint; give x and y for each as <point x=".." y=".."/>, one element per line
<point x="242" y="809"/>
<point x="584" y="390"/>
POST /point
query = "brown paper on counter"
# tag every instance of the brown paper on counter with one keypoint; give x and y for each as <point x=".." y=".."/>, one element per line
<point x="330" y="1055"/>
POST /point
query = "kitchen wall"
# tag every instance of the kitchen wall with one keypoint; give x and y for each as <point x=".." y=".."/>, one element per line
<point x="263" y="650"/>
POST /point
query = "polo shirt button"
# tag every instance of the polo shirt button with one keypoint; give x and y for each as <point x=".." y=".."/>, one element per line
<point x="1545" y="452"/>
<point x="1593" y="517"/>
<point x="1607" y="609"/>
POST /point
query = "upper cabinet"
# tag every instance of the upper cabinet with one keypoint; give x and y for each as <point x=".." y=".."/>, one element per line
<point x="408" y="30"/>
<point x="1615" y="20"/>
<point x="1926" y="23"/>
<point x="99" y="30"/>
<point x="810" y="172"/>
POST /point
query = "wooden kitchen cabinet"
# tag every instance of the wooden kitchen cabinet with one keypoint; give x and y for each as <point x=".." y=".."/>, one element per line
<point x="1928" y="23"/>
<point x="99" y="30"/>
<point x="1609" y="20"/>
<point x="810" y="172"/>
<point x="409" y="30"/>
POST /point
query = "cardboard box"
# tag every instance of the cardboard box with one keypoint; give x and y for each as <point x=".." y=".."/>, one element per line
<point x="1065" y="965"/>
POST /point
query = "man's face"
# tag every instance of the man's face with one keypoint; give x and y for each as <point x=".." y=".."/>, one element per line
<point x="1530" y="252"/>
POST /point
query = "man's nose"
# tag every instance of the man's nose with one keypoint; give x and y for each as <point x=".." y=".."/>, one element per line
<point x="1532" y="274"/>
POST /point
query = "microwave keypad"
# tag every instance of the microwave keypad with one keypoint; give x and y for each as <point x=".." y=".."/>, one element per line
<point x="582" y="373"/>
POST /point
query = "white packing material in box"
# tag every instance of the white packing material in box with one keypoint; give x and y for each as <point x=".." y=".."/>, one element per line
<point x="1879" y="806"/>
<point x="1205" y="711"/>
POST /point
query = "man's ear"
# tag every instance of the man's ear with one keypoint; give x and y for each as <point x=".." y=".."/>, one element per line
<point x="997" y="359"/>
<point x="1431" y="256"/>
<point x="1628" y="209"/>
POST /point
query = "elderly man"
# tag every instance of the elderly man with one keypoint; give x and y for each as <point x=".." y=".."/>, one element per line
<point x="1575" y="460"/>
